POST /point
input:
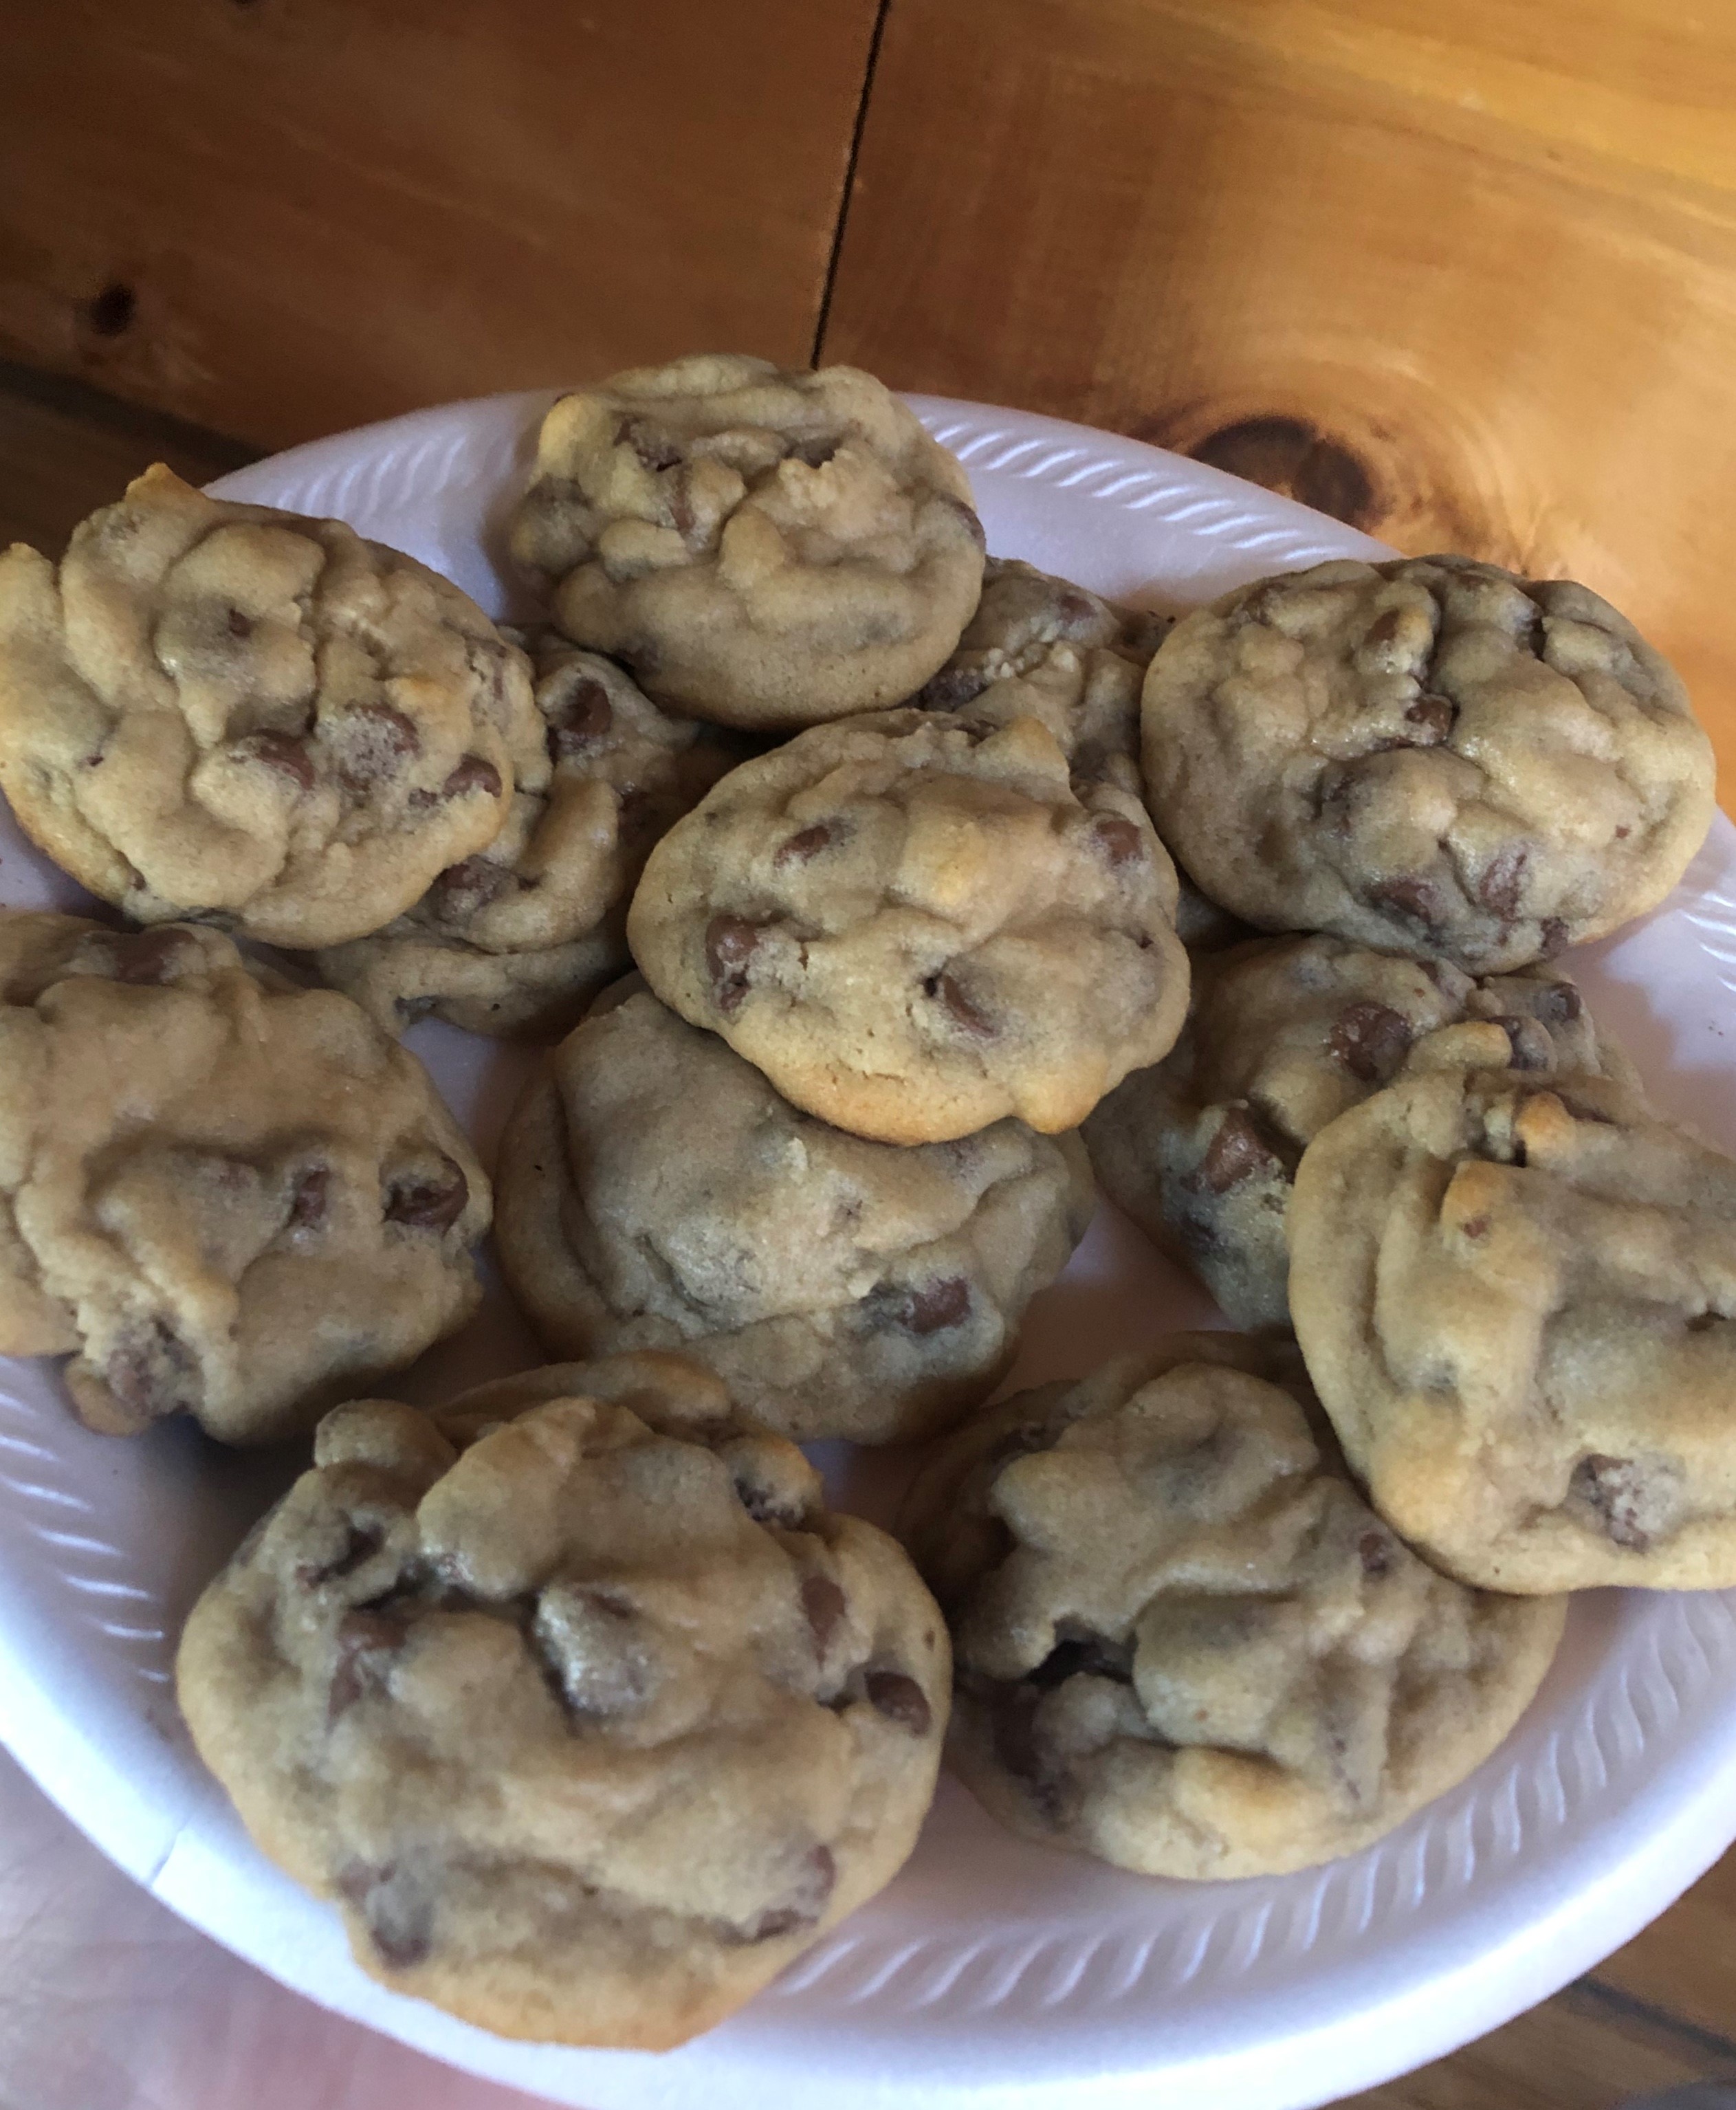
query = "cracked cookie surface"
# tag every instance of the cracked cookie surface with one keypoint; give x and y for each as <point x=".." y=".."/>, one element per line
<point x="224" y="1196"/>
<point x="517" y="939"/>
<point x="1183" y="1641"/>
<point x="762" y="547"/>
<point x="915" y="925"/>
<point x="655" y="1191"/>
<point x="1518" y="1303"/>
<point x="225" y="710"/>
<point x="574" y="1697"/>
<point x="1429" y="755"/>
<point x="1283" y="1036"/>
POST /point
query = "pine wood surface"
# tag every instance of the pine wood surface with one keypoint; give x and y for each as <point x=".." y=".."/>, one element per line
<point x="280" y="218"/>
<point x="1465" y="277"/>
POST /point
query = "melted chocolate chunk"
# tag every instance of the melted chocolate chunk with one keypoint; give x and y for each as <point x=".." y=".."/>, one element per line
<point x="655" y="448"/>
<point x="920" y="1308"/>
<point x="1240" y="1150"/>
<point x="1407" y="896"/>
<point x="1615" y="1488"/>
<point x="1120" y="840"/>
<point x="458" y="891"/>
<point x="1371" y="1041"/>
<point x="374" y="739"/>
<point x="1557" y="1004"/>
<point x="1552" y="933"/>
<point x="1433" y="717"/>
<point x="361" y="1542"/>
<point x="367" y="1641"/>
<point x="1528" y="1040"/>
<point x="1383" y="629"/>
<point x="582" y="717"/>
<point x="730" y="942"/>
<point x="952" y="688"/>
<point x="968" y="515"/>
<point x="964" y="1013"/>
<point x="312" y="1195"/>
<point x="901" y="1699"/>
<point x="399" y="1915"/>
<point x="800" y="848"/>
<point x="1377" y="1554"/>
<point x="239" y="625"/>
<point x="1503" y="881"/>
<point x="148" y="959"/>
<point x="153" y="1372"/>
<point x="813" y="1893"/>
<point x="825" y="1605"/>
<point x="474" y="774"/>
<point x="280" y="751"/>
<point x="428" y="1201"/>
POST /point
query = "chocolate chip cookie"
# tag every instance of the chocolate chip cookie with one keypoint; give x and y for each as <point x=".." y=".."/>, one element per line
<point x="222" y="1195"/>
<point x="1427" y="756"/>
<point x="1183" y="1641"/>
<point x="1518" y="1301"/>
<point x="761" y="547"/>
<point x="518" y="939"/>
<point x="1041" y="647"/>
<point x="915" y="925"/>
<point x="227" y="710"/>
<point x="1283" y="1036"/>
<point x="655" y="1191"/>
<point x="591" y="1719"/>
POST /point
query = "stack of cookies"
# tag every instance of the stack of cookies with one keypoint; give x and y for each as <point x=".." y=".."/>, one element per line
<point x="573" y="1695"/>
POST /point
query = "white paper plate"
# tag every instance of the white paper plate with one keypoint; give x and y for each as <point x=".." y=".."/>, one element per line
<point x="991" y="1972"/>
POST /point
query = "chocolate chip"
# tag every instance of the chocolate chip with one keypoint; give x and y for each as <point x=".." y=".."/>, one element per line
<point x="400" y="1914"/>
<point x="280" y="751"/>
<point x="1433" y="717"/>
<point x="920" y="1308"/>
<point x="308" y="1204"/>
<point x="1405" y="896"/>
<point x="680" y="495"/>
<point x="474" y="774"/>
<point x="373" y="739"/>
<point x="1529" y="1041"/>
<point x="799" y="848"/>
<point x="1076" y="613"/>
<point x="1702" y="1322"/>
<point x="1557" y="1004"/>
<point x="901" y="1699"/>
<point x="769" y="1504"/>
<point x="428" y="1201"/>
<point x="361" y="1542"/>
<point x="825" y="1605"/>
<point x="1475" y="1227"/>
<point x="1120" y="840"/>
<point x="944" y="989"/>
<point x="148" y="959"/>
<point x="367" y="1641"/>
<point x="1377" y="1554"/>
<point x="1083" y="1655"/>
<point x="817" y="451"/>
<point x="1383" y="629"/>
<point x="240" y="625"/>
<point x="1552" y="936"/>
<point x="1371" y="1041"/>
<point x="730" y="942"/>
<point x="582" y="717"/>
<point x="656" y="449"/>
<point x="1503" y="880"/>
<point x="462" y="889"/>
<point x="1239" y="1150"/>
<point x="153" y="1372"/>
<point x="1616" y="1489"/>
<point x="813" y="1893"/>
<point x="952" y="688"/>
<point x="968" y="514"/>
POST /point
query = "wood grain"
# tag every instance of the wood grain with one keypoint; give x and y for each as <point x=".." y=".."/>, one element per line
<point x="279" y="218"/>
<point x="1467" y="279"/>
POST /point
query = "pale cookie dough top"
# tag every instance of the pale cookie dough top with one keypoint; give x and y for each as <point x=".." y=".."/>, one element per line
<point x="519" y="936"/>
<point x="228" y="1197"/>
<point x="914" y="925"/>
<point x="591" y="1718"/>
<point x="655" y="1191"/>
<point x="223" y="708"/>
<point x="762" y="547"/>
<point x="1429" y="755"/>
<point x="1041" y="647"/>
<point x="1518" y="1301"/>
<point x="1184" y="1643"/>
<point x="1283" y="1036"/>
